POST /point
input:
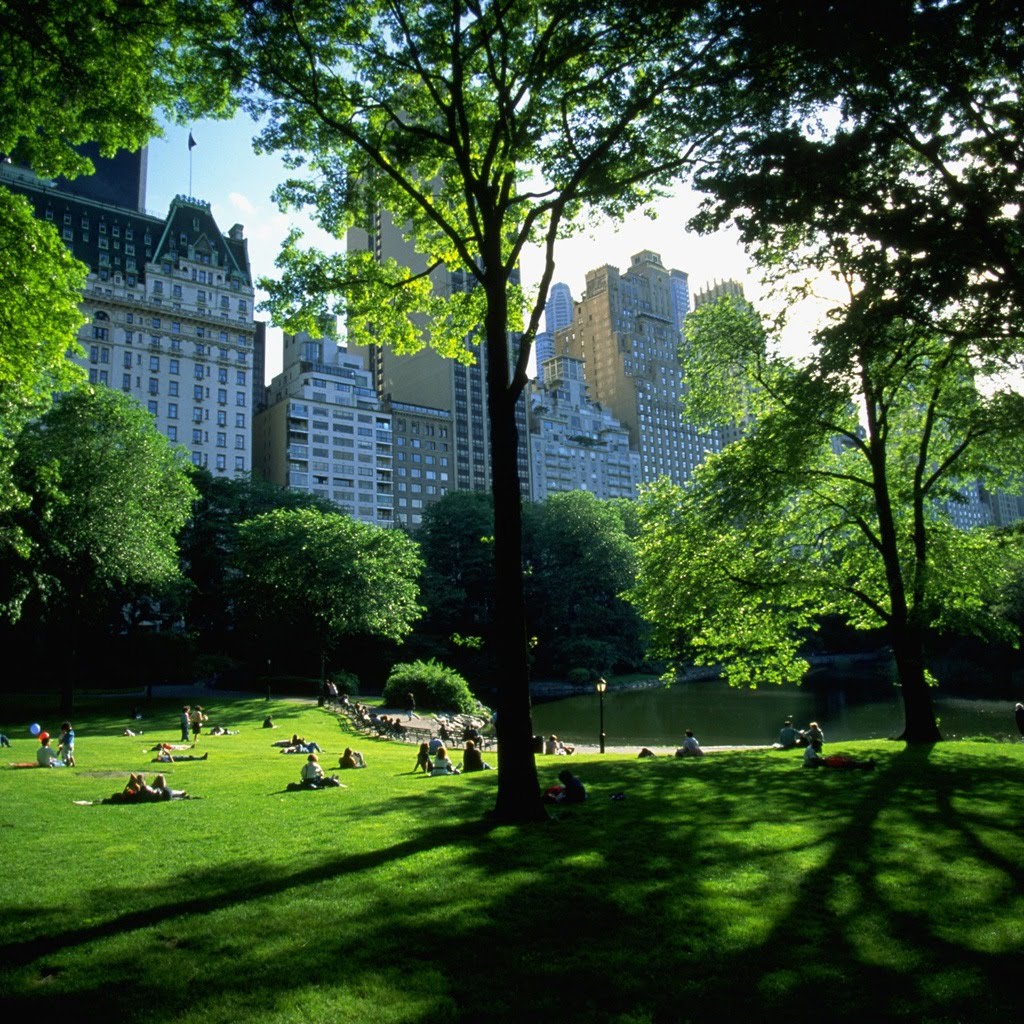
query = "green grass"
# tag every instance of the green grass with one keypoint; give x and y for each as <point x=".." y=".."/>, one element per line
<point x="738" y="886"/>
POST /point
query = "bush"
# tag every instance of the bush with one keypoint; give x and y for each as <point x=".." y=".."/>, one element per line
<point x="581" y="676"/>
<point x="346" y="682"/>
<point x="432" y="684"/>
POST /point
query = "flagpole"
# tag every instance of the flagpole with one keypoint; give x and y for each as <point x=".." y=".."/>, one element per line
<point x="191" y="145"/>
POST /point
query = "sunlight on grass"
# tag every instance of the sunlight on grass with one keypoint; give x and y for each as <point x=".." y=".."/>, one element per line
<point x="392" y="900"/>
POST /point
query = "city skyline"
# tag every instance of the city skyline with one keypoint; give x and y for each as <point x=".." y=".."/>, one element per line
<point x="245" y="198"/>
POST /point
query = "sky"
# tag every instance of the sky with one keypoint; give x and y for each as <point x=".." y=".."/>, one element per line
<point x="225" y="172"/>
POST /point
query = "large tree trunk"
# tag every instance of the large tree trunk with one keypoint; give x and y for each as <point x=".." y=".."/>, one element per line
<point x="919" y="724"/>
<point x="518" y="789"/>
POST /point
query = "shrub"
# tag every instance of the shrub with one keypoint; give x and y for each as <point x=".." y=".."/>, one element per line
<point x="581" y="676"/>
<point x="432" y="684"/>
<point x="346" y="682"/>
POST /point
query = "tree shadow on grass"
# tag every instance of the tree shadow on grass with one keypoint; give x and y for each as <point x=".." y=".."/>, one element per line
<point x="765" y="889"/>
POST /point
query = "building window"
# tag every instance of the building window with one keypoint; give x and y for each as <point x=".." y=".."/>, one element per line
<point x="172" y="433"/>
<point x="152" y="407"/>
<point x="172" y="410"/>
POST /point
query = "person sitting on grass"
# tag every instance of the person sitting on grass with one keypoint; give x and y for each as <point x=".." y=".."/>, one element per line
<point x="838" y="762"/>
<point x="691" y="746"/>
<point x="351" y="759"/>
<point x="787" y="736"/>
<point x="442" y="764"/>
<point x="569" y="791"/>
<point x="46" y="757"/>
<point x="813" y="732"/>
<point x="472" y="760"/>
<point x="423" y="759"/>
<point x="553" y="745"/>
<point x="312" y="776"/>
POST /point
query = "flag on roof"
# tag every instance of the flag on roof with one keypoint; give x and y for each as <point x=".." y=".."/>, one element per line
<point x="191" y="142"/>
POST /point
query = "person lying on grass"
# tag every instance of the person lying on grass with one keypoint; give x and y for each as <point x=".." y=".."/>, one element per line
<point x="166" y="757"/>
<point x="138" y="791"/>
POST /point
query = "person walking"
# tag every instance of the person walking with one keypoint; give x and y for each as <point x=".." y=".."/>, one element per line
<point x="197" y="718"/>
<point x="184" y="720"/>
<point x="1018" y="714"/>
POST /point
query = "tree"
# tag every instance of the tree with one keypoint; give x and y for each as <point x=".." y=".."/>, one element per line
<point x="108" y="495"/>
<point x="887" y="150"/>
<point x="836" y="501"/>
<point x="126" y="60"/>
<point x="325" y="576"/>
<point x="886" y="154"/>
<point x="456" y="540"/>
<point x="579" y="561"/>
<point x="39" y="319"/>
<point x="480" y="127"/>
<point x="209" y="543"/>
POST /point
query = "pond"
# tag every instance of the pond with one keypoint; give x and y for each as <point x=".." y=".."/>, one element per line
<point x="721" y="715"/>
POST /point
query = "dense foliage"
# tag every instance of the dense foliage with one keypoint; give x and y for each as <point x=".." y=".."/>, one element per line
<point x="306" y="576"/>
<point x="578" y="559"/>
<point x="431" y="684"/>
<point x="108" y="496"/>
<point x="837" y="501"/>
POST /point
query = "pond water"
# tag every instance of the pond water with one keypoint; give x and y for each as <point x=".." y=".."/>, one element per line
<point x="721" y="715"/>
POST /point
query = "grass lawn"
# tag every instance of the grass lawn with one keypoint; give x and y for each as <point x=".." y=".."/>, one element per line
<point x="736" y="887"/>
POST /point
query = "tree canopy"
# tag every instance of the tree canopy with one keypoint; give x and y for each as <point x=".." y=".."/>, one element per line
<point x="836" y="501"/>
<point x="39" y="320"/>
<point x="108" y="495"/>
<point x="307" y="575"/>
<point x="885" y="149"/>
<point x="99" y="71"/>
<point x="73" y="73"/>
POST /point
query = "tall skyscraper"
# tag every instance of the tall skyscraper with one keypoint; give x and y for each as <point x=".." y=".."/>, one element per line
<point x="576" y="445"/>
<point x="626" y="331"/>
<point x="428" y="380"/>
<point x="558" y="313"/>
<point x="711" y="292"/>
<point x="168" y="306"/>
<point x="324" y="431"/>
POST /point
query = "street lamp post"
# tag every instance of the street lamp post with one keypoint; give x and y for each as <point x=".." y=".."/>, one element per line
<point x="601" y="687"/>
